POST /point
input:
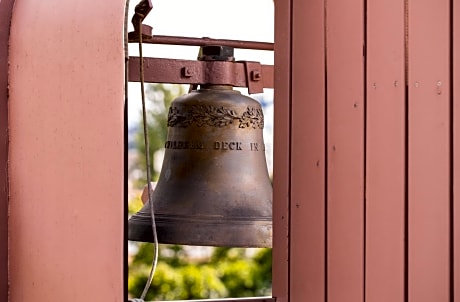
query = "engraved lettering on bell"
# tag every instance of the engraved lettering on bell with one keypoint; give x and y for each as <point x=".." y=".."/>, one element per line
<point x="183" y="145"/>
<point x="228" y="146"/>
<point x="212" y="116"/>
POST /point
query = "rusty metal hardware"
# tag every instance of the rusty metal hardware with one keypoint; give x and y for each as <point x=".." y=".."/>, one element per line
<point x="237" y="74"/>
<point x="253" y="74"/>
<point x="148" y="38"/>
<point x="141" y="11"/>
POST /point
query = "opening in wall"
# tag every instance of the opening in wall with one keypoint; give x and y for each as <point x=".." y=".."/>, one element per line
<point x="193" y="270"/>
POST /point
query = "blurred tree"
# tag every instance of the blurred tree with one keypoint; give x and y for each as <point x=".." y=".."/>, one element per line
<point x="159" y="98"/>
<point x="180" y="274"/>
<point x="227" y="272"/>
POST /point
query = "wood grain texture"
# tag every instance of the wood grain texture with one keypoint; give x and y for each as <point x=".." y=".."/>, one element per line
<point x="66" y="151"/>
<point x="6" y="8"/>
<point x="345" y="150"/>
<point x="385" y="152"/>
<point x="281" y="151"/>
<point x="308" y="162"/>
<point x="429" y="151"/>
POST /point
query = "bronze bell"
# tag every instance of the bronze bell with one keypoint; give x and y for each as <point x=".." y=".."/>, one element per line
<point x="214" y="187"/>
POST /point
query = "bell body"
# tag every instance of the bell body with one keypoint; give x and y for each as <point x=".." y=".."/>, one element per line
<point x="214" y="187"/>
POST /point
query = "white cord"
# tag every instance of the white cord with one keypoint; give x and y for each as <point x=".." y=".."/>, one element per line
<point x="147" y="160"/>
<point x="147" y="152"/>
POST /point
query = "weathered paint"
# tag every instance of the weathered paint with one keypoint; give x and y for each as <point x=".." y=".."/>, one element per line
<point x="281" y="157"/>
<point x="345" y="150"/>
<point x="66" y="151"/>
<point x="307" y="146"/>
<point x="6" y="8"/>
<point x="391" y="166"/>
<point x="385" y="151"/>
<point x="429" y="151"/>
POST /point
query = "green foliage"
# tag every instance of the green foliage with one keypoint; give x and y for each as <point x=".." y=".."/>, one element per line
<point x="227" y="272"/>
<point x="159" y="98"/>
<point x="135" y="205"/>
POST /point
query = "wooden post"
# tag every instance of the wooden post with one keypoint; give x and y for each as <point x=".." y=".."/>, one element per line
<point x="429" y="151"/>
<point x="308" y="154"/>
<point x="385" y="151"/>
<point x="345" y="150"/>
<point x="66" y="97"/>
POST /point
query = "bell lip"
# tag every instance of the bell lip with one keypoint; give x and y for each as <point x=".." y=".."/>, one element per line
<point x="144" y="216"/>
<point x="204" y="232"/>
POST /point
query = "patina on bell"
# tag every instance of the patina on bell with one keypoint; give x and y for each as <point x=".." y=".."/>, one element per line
<point x="214" y="188"/>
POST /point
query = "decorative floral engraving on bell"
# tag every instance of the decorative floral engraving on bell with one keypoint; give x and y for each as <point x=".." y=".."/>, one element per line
<point x="214" y="187"/>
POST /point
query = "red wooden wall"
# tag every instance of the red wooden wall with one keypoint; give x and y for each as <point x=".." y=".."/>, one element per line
<point x="367" y="151"/>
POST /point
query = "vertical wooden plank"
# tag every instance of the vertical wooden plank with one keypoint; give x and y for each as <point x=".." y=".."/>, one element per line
<point x="345" y="150"/>
<point x="385" y="152"/>
<point x="66" y="79"/>
<point x="429" y="151"/>
<point x="307" y="262"/>
<point x="281" y="151"/>
<point x="456" y="150"/>
<point x="6" y="8"/>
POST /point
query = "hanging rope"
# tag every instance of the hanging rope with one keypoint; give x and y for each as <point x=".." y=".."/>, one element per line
<point x="137" y="22"/>
<point x="147" y="160"/>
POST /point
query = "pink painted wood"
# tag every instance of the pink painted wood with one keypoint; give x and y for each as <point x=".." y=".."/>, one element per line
<point x="456" y="152"/>
<point x="385" y="152"/>
<point x="6" y="8"/>
<point x="345" y="150"/>
<point x="66" y="98"/>
<point x="281" y="163"/>
<point x="308" y="163"/>
<point x="429" y="151"/>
